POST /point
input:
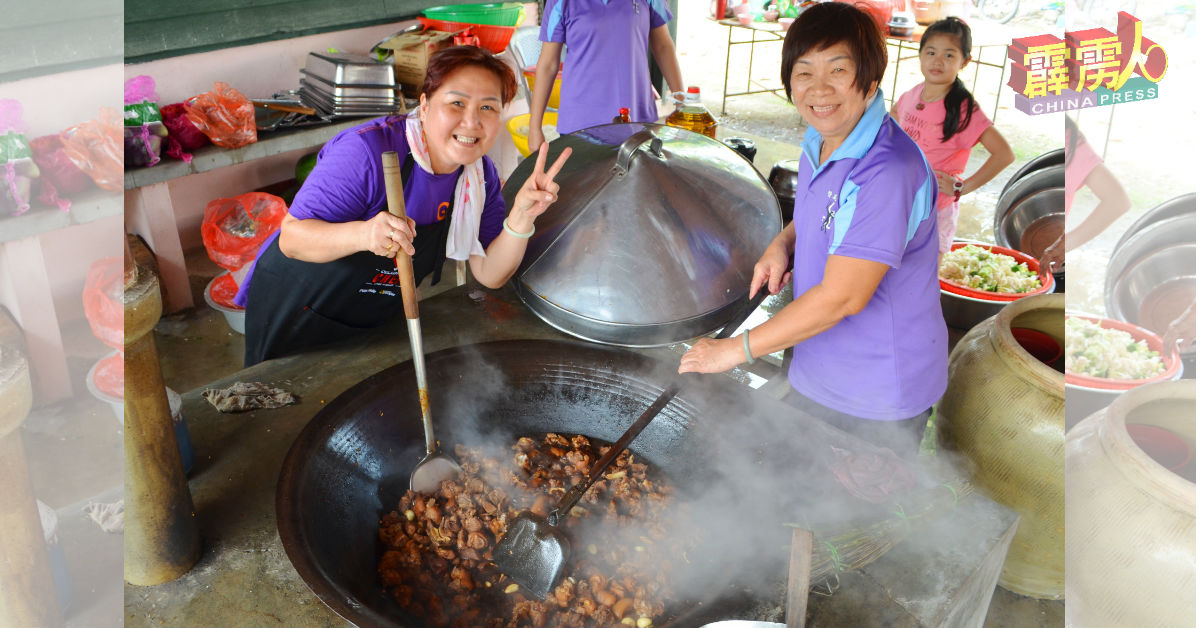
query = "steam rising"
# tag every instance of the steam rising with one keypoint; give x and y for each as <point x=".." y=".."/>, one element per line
<point x="744" y="465"/>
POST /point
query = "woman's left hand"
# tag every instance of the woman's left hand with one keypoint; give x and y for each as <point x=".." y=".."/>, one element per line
<point x="713" y="356"/>
<point x="538" y="192"/>
<point x="945" y="182"/>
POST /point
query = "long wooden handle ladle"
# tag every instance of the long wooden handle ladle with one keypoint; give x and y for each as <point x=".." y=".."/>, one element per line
<point x="436" y="466"/>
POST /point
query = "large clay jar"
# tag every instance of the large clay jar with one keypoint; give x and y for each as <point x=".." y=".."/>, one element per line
<point x="1004" y="412"/>
<point x="1131" y="520"/>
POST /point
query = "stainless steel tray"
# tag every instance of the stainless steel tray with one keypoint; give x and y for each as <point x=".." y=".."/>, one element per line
<point x="381" y="91"/>
<point x="349" y="68"/>
<point x="366" y="100"/>
<point x="328" y="107"/>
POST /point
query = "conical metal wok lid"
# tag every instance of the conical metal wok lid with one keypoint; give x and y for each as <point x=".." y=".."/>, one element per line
<point x="653" y="239"/>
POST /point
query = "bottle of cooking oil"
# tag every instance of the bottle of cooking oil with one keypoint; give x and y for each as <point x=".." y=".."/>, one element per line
<point x="691" y="114"/>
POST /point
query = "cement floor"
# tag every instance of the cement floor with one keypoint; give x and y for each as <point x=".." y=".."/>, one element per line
<point x="197" y="347"/>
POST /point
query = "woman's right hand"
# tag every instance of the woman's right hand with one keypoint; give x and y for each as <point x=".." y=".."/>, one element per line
<point x="772" y="269"/>
<point x="387" y="234"/>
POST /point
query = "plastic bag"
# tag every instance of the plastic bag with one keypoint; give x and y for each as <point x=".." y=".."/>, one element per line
<point x="103" y="300"/>
<point x="182" y="135"/>
<point x="60" y="176"/>
<point x="224" y="115"/>
<point x="233" y="229"/>
<point x="144" y="128"/>
<point x="96" y="147"/>
<point x="17" y="169"/>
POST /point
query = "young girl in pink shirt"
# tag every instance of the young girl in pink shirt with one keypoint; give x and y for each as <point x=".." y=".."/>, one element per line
<point x="944" y="119"/>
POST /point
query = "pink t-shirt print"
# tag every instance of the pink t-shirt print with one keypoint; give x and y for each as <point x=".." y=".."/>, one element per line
<point x="925" y="127"/>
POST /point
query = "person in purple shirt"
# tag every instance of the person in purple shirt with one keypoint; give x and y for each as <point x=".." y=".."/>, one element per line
<point x="866" y="322"/>
<point x="329" y="274"/>
<point x="606" y="67"/>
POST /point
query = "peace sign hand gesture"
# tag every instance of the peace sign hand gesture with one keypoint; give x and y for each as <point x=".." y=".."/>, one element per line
<point x="538" y="192"/>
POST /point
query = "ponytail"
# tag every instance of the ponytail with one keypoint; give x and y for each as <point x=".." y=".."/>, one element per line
<point x="956" y="120"/>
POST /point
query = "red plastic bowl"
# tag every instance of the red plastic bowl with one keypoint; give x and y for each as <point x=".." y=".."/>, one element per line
<point x="493" y="38"/>
<point x="1031" y="263"/>
<point x="223" y="290"/>
<point x="1172" y="362"/>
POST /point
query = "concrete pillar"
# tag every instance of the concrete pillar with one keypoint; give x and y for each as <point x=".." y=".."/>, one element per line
<point x="27" y="596"/>
<point x="162" y="541"/>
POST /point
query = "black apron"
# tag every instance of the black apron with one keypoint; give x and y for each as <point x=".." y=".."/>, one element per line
<point x="293" y="306"/>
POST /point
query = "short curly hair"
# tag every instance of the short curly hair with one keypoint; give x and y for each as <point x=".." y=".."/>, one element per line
<point x="831" y="23"/>
<point x="445" y="62"/>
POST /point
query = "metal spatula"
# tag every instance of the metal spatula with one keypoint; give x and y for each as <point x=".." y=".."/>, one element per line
<point x="534" y="550"/>
<point x="435" y="466"/>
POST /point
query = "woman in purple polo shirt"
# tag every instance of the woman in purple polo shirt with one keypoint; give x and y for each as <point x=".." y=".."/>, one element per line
<point x="606" y="67"/>
<point x="866" y="322"/>
<point x="329" y="274"/>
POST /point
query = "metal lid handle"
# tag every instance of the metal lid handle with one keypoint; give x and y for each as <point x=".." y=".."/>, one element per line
<point x="631" y="146"/>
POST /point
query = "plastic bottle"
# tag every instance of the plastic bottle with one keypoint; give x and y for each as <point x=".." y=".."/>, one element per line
<point x="691" y="114"/>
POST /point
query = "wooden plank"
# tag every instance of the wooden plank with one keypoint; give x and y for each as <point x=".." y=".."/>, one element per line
<point x="799" y="573"/>
<point x="81" y="42"/>
<point x="213" y="157"/>
<point x="41" y="219"/>
<point x="173" y="35"/>
<point x="154" y="30"/>
<point x="19" y="15"/>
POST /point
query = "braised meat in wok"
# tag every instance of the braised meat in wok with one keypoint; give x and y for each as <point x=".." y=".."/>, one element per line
<point x="437" y="548"/>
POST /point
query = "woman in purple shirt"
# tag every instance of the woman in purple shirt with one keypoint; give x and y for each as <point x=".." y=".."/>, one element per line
<point x="866" y="321"/>
<point x="605" y="68"/>
<point x="329" y="274"/>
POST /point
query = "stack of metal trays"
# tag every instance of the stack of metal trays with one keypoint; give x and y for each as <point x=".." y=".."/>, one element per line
<point x="346" y="84"/>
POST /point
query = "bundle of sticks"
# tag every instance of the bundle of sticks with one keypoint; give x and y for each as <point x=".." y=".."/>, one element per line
<point x="859" y="544"/>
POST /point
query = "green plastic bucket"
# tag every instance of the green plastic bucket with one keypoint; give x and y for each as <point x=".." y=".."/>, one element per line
<point x="490" y="14"/>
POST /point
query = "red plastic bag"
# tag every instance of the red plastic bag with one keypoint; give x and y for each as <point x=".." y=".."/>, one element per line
<point x="224" y="115"/>
<point x="57" y="168"/>
<point x="184" y="136"/>
<point x="97" y="148"/>
<point x="234" y="228"/>
<point x="103" y="300"/>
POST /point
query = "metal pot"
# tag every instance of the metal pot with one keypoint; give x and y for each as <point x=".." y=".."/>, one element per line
<point x="1056" y="157"/>
<point x="351" y="463"/>
<point x="1179" y="206"/>
<point x="784" y="180"/>
<point x="1029" y="215"/>
<point x="653" y="239"/>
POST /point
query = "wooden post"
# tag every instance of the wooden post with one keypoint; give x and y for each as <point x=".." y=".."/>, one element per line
<point x="27" y="595"/>
<point x="162" y="541"/>
<point x="799" y="574"/>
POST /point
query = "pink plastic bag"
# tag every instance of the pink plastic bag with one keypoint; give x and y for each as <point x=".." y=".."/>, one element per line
<point x="144" y="129"/>
<point x="224" y="115"/>
<point x="17" y="169"/>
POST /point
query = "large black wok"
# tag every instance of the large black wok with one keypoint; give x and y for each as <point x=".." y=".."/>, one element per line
<point x="352" y="462"/>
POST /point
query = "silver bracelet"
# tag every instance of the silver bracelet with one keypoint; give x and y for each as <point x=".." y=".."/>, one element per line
<point x="746" y="346"/>
<point x="515" y="234"/>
